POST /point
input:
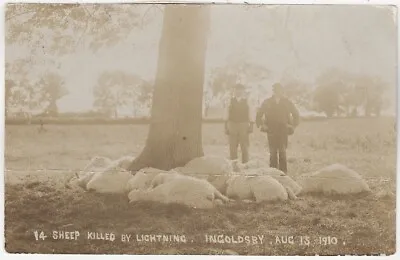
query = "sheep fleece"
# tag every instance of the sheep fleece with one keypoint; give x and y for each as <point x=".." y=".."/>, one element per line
<point x="259" y="188"/>
<point x="209" y="165"/>
<point x="110" y="180"/>
<point x="183" y="190"/>
<point x="334" y="179"/>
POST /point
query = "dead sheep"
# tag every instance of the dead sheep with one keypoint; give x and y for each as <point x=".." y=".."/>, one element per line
<point x="96" y="164"/>
<point x="219" y="182"/>
<point x="138" y="181"/>
<point x="207" y="165"/>
<point x="292" y="187"/>
<point x="79" y="180"/>
<point x="258" y="188"/>
<point x="333" y="179"/>
<point x="124" y="162"/>
<point x="163" y="178"/>
<point x="103" y="175"/>
<point x="210" y="168"/>
<point x="142" y="179"/>
<point x="110" y="180"/>
<point x="287" y="182"/>
<point x="184" y="190"/>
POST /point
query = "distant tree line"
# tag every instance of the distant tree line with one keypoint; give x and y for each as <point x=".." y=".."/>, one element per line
<point x="54" y="27"/>
<point x="113" y="90"/>
<point x="23" y="94"/>
<point x="334" y="93"/>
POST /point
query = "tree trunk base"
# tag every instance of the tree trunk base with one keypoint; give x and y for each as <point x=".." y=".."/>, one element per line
<point x="140" y="162"/>
<point x="146" y="159"/>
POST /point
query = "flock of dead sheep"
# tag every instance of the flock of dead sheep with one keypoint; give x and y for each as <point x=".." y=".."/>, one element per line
<point x="209" y="181"/>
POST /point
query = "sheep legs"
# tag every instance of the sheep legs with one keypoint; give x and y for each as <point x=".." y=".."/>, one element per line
<point x="219" y="195"/>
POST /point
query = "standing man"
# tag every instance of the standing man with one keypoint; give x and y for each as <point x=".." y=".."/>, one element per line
<point x="239" y="123"/>
<point x="278" y="117"/>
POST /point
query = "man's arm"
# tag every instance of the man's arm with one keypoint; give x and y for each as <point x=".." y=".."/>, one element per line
<point x="295" y="114"/>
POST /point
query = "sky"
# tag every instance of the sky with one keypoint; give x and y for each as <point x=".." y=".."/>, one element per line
<point x="301" y="41"/>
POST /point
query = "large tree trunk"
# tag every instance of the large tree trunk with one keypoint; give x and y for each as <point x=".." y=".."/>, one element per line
<point x="176" y="114"/>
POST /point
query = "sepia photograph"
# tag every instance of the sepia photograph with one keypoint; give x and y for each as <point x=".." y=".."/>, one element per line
<point x="200" y="129"/>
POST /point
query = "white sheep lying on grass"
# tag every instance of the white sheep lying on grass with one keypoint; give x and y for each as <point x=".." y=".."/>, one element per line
<point x="291" y="185"/>
<point x="164" y="177"/>
<point x="143" y="178"/>
<point x="181" y="189"/>
<point x="219" y="181"/>
<point x="206" y="165"/>
<point x="258" y="188"/>
<point x="124" y="162"/>
<point x="111" y="180"/>
<point x="96" y="164"/>
<point x="104" y="176"/>
<point x="333" y="179"/>
<point x="215" y="170"/>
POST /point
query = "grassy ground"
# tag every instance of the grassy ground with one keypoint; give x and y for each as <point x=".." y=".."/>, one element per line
<point x="37" y="200"/>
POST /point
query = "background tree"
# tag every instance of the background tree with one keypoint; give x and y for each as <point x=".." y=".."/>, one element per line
<point x="299" y="92"/>
<point x="25" y="98"/>
<point x="326" y="98"/>
<point x="223" y="78"/>
<point x="62" y="28"/>
<point x="145" y="95"/>
<point x="52" y="86"/>
<point x="116" y="89"/>
<point x="207" y="99"/>
<point x="351" y="99"/>
<point x="175" y="136"/>
<point x="331" y="88"/>
<point x="50" y="31"/>
<point x="342" y="91"/>
<point x="221" y="81"/>
<point x="374" y="90"/>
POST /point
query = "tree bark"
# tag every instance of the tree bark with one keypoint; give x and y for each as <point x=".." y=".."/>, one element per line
<point x="174" y="136"/>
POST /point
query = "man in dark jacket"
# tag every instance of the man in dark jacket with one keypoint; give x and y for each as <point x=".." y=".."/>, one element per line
<point x="239" y="123"/>
<point x="278" y="117"/>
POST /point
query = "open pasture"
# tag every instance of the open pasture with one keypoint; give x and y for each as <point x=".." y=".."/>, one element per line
<point x="38" y="164"/>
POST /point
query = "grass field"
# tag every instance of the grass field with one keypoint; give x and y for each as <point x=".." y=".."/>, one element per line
<point x="37" y="200"/>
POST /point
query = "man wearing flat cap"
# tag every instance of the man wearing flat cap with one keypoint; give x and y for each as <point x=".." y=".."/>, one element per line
<point x="239" y="123"/>
<point x="278" y="117"/>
